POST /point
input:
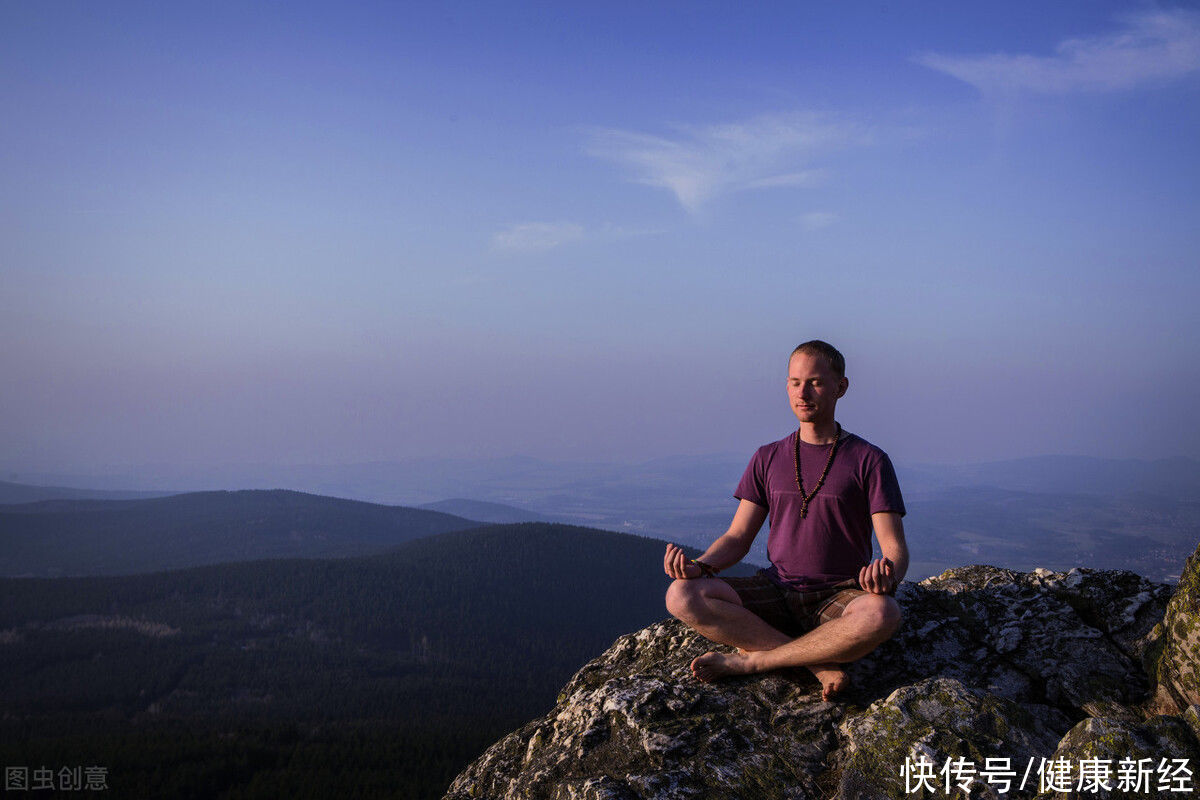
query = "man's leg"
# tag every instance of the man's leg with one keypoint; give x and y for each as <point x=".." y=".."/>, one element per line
<point x="868" y="621"/>
<point x="712" y="608"/>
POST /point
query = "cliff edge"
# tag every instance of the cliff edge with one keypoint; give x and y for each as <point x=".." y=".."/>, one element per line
<point x="1037" y="668"/>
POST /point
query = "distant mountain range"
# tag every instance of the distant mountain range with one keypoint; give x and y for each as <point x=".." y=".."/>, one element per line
<point x="688" y="482"/>
<point x="1054" y="511"/>
<point x="53" y="538"/>
<point x="11" y="493"/>
<point x="664" y="496"/>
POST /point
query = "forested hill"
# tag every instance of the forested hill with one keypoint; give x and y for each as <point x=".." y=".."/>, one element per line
<point x="498" y="590"/>
<point x="386" y="673"/>
<point x="121" y="537"/>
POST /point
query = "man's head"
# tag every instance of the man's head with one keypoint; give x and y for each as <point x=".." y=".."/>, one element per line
<point x="816" y="381"/>
<point x="818" y="348"/>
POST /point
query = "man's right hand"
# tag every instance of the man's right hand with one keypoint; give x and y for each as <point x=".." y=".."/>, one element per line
<point x="677" y="565"/>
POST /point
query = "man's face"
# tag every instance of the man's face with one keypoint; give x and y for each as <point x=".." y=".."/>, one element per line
<point x="813" y="388"/>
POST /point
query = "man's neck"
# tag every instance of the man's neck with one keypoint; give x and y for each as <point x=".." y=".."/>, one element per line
<point x="819" y="432"/>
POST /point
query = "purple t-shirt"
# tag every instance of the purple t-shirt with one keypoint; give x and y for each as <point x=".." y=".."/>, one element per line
<point x="833" y="542"/>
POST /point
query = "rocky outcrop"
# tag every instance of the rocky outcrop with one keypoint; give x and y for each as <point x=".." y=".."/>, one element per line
<point x="1174" y="655"/>
<point x="993" y="671"/>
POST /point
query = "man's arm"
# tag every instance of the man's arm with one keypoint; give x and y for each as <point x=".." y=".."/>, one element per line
<point x="727" y="550"/>
<point x="882" y="575"/>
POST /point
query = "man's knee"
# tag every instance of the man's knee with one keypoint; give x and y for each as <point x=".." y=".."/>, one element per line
<point x="682" y="599"/>
<point x="688" y="600"/>
<point x="880" y="611"/>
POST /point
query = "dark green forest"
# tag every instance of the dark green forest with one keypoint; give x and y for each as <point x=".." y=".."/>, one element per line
<point x="379" y="676"/>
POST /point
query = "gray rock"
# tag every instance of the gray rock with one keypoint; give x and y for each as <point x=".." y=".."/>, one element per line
<point x="1173" y="658"/>
<point x="1112" y="741"/>
<point x="938" y="719"/>
<point x="988" y="663"/>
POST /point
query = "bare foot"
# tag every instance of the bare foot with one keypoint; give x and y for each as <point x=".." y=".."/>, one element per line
<point x="714" y="666"/>
<point x="832" y="677"/>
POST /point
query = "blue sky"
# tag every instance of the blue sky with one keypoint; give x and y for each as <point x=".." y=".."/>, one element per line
<point x="327" y="233"/>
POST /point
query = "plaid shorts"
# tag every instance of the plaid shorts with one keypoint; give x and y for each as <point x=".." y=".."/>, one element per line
<point x="791" y="611"/>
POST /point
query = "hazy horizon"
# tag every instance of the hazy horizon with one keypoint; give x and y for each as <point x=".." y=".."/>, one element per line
<point x="699" y="480"/>
<point x="357" y="232"/>
<point x="17" y="473"/>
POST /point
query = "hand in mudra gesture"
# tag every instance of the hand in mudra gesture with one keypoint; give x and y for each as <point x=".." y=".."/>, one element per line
<point x="677" y="565"/>
<point x="878" y="577"/>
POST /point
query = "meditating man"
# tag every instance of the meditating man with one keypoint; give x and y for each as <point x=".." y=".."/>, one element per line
<point x="823" y="602"/>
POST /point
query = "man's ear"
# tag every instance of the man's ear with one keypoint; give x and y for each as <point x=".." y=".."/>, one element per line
<point x="844" y="383"/>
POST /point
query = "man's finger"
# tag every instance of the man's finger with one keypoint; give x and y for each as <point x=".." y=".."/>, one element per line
<point x="890" y="575"/>
<point x="874" y="577"/>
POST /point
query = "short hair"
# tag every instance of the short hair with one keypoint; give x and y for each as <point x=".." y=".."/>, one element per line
<point x="816" y="347"/>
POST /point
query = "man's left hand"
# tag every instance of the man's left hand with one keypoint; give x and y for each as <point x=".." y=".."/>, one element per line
<point x="878" y="577"/>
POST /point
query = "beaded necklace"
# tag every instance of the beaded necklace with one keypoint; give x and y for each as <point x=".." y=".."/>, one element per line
<point x="824" y="473"/>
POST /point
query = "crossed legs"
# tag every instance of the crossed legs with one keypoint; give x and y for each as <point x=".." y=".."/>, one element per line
<point x="712" y="608"/>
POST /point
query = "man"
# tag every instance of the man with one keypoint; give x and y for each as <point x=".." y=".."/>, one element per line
<point x="823" y="602"/>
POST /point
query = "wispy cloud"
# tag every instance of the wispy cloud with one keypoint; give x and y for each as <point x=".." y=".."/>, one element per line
<point x="1151" y="46"/>
<point x="815" y="220"/>
<point x="534" y="237"/>
<point x="608" y="231"/>
<point x="701" y="162"/>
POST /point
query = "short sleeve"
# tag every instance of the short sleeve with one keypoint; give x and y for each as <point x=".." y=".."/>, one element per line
<point x="883" y="490"/>
<point x="753" y="485"/>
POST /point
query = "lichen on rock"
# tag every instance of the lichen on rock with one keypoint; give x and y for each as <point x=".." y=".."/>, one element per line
<point x="1174" y="656"/>
<point x="938" y="719"/>
<point x="1112" y="741"/>
<point x="988" y="663"/>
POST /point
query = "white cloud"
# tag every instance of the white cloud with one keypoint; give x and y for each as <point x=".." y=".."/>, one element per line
<point x="618" y="232"/>
<point x="1152" y="46"/>
<point x="815" y="220"/>
<point x="533" y="237"/>
<point x="805" y="178"/>
<point x="701" y="162"/>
